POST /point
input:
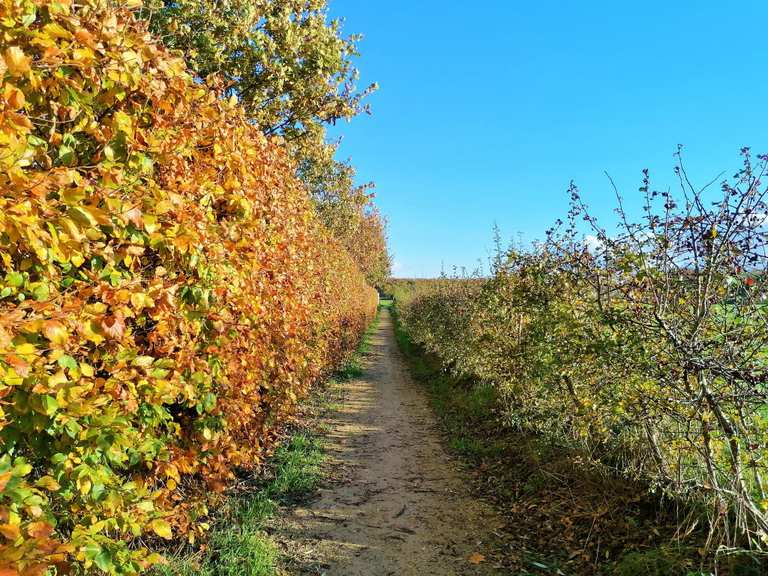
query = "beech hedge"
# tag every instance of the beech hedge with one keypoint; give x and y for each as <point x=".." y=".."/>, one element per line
<point x="167" y="293"/>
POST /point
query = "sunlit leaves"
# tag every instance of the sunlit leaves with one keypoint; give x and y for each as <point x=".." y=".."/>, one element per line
<point x="167" y="294"/>
<point x="16" y="62"/>
<point x="291" y="69"/>
<point x="55" y="331"/>
<point x="161" y="528"/>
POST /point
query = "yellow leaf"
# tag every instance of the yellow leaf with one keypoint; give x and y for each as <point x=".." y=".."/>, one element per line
<point x="56" y="332"/>
<point x="172" y="472"/>
<point x="26" y="348"/>
<point x="57" y="31"/>
<point x="16" y="61"/>
<point x="89" y="332"/>
<point x="84" y="485"/>
<point x="48" y="483"/>
<point x="83" y="54"/>
<point x="140" y="300"/>
<point x="161" y="528"/>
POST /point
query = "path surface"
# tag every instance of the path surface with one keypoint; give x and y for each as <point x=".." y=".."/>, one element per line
<point x="398" y="504"/>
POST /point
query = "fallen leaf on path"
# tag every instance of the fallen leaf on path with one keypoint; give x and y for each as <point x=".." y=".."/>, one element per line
<point x="476" y="558"/>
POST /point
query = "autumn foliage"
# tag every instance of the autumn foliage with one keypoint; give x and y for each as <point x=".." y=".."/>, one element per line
<point x="292" y="69"/>
<point x="167" y="294"/>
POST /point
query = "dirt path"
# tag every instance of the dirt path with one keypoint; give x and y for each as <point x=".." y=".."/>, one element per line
<point x="398" y="504"/>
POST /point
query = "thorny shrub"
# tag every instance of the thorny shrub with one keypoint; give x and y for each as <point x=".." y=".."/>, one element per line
<point x="646" y="346"/>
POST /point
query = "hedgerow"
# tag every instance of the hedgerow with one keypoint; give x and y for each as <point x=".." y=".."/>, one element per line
<point x="644" y="349"/>
<point x="167" y="294"/>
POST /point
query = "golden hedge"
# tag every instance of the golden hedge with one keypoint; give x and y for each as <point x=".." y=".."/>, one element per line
<point x="166" y="297"/>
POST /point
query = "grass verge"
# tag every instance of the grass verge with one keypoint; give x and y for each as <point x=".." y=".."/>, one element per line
<point x="238" y="542"/>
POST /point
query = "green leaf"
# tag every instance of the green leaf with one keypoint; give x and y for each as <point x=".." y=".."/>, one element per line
<point x="66" y="155"/>
<point x="97" y="491"/>
<point x="67" y="361"/>
<point x="45" y="404"/>
<point x="14" y="279"/>
<point x="90" y="551"/>
<point x="28" y="19"/>
<point x="36" y="141"/>
<point x="41" y="292"/>
<point x="103" y="561"/>
<point x="209" y="402"/>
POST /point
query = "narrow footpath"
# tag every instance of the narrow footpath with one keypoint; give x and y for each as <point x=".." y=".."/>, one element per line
<point x="397" y="503"/>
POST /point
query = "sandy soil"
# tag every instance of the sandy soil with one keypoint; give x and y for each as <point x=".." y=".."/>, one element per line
<point x="397" y="503"/>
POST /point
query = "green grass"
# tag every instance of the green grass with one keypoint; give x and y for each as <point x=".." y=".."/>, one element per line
<point x="238" y="545"/>
<point x="353" y="367"/>
<point x="298" y="469"/>
<point x="671" y="561"/>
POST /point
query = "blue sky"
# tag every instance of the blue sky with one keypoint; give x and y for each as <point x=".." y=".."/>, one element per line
<point x="487" y="110"/>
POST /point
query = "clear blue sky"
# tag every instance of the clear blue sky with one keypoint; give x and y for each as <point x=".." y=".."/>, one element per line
<point x="488" y="109"/>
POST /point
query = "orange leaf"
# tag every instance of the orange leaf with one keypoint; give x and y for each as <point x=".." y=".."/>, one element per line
<point x="84" y="37"/>
<point x="5" y="339"/>
<point x="35" y="569"/>
<point x="18" y="364"/>
<point x="39" y="529"/>
<point x="476" y="558"/>
<point x="14" y="97"/>
<point x="134" y="216"/>
<point x="10" y="531"/>
<point x="4" y="478"/>
<point x="113" y="326"/>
